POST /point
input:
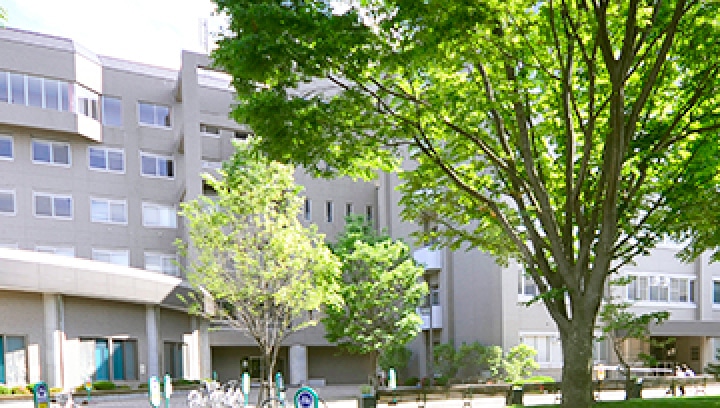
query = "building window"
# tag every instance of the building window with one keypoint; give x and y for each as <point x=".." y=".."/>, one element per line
<point x="241" y="135"/>
<point x="308" y="209"/>
<point x="159" y="216"/>
<point x="163" y="263"/>
<point x="7" y="202"/>
<point x="6" y="147"/>
<point x="108" y="211"/>
<point x="113" y="256"/>
<point x="64" y="251"/>
<point x="716" y="292"/>
<point x="53" y="205"/>
<point x="369" y="215"/>
<point x="87" y="102"/>
<point x="156" y="166"/>
<point x="600" y="350"/>
<point x="28" y="90"/>
<point x="17" y="89"/>
<point x="51" y="152"/>
<point x="329" y="211"/>
<point x="153" y="115"/>
<point x="173" y="358"/>
<point x="348" y="209"/>
<point x="109" y="359"/>
<point x="111" y="111"/>
<point x="13" y="360"/>
<point x="548" y="347"/>
<point x="661" y="288"/>
<point x="106" y="159"/>
<point x="527" y="286"/>
<point x="209" y="130"/>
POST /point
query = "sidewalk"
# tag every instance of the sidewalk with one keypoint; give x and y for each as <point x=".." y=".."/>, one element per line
<point x="346" y="396"/>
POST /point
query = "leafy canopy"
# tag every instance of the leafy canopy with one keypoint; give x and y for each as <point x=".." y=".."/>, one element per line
<point x="264" y="270"/>
<point x="573" y="136"/>
<point x="381" y="288"/>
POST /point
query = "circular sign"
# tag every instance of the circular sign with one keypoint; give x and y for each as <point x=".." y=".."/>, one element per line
<point x="306" y="397"/>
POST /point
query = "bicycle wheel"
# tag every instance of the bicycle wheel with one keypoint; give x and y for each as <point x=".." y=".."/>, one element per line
<point x="272" y="403"/>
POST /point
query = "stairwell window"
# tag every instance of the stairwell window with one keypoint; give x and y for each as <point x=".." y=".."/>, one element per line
<point x="308" y="209"/>
<point x="329" y="211"/>
<point x="153" y="115"/>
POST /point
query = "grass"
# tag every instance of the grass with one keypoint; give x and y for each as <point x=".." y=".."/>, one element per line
<point x="681" y="402"/>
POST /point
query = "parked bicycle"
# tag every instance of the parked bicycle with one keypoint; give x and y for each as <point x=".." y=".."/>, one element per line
<point x="213" y="394"/>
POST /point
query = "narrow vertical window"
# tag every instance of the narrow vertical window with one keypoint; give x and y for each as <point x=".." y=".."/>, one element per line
<point x="369" y="213"/>
<point x="329" y="211"/>
<point x="308" y="209"/>
<point x="348" y="209"/>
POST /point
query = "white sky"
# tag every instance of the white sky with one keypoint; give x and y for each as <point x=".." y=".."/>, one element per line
<point x="149" y="31"/>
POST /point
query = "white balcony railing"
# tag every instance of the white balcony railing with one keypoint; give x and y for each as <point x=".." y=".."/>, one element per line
<point x="424" y="313"/>
<point x="429" y="258"/>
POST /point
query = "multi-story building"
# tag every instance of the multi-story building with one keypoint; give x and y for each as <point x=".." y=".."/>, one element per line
<point x="97" y="153"/>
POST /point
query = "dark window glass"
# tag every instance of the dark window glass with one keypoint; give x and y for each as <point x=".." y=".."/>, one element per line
<point x="6" y="148"/>
<point x="147" y="113"/>
<point x="65" y="96"/>
<point x="35" y="91"/>
<point x="112" y="111"/>
<point x="149" y="166"/>
<point x="41" y="152"/>
<point x="163" y="116"/>
<point x="7" y="202"/>
<point x="61" y="153"/>
<point x="43" y="205"/>
<point x="17" y="92"/>
<point x="63" y="207"/>
<point x="115" y="161"/>
<point x="97" y="159"/>
<point x="4" y="88"/>
<point x="51" y="94"/>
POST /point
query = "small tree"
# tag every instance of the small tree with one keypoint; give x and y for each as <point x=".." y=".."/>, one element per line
<point x="474" y="359"/>
<point x="381" y="287"/>
<point x="394" y="356"/>
<point x="445" y="360"/>
<point x="620" y="324"/>
<point x="519" y="363"/>
<point x="264" y="271"/>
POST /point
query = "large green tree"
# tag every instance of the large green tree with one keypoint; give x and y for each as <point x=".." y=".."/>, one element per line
<point x="381" y="287"/>
<point x="266" y="274"/>
<point x="569" y="135"/>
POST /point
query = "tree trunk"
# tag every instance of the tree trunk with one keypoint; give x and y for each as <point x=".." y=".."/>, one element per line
<point x="577" y="346"/>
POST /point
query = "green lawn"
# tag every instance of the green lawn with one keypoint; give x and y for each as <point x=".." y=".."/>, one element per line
<point x="682" y="402"/>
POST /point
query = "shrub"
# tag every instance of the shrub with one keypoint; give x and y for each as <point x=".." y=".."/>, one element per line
<point x="182" y="381"/>
<point x="411" y="381"/>
<point x="520" y="363"/>
<point x="21" y="390"/>
<point x="441" y="381"/>
<point x="446" y="363"/>
<point x="394" y="356"/>
<point x="104" y="385"/>
<point x="5" y="390"/>
<point x="56" y="390"/>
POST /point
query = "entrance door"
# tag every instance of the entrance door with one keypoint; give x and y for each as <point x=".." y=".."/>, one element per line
<point x="102" y="354"/>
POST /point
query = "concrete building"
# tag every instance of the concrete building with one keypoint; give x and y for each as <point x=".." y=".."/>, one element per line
<point x="96" y="154"/>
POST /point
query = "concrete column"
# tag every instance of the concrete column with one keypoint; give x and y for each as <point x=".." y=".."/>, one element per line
<point x="298" y="364"/>
<point x="153" y="342"/>
<point x="54" y="315"/>
<point x="704" y="288"/>
<point x="205" y="354"/>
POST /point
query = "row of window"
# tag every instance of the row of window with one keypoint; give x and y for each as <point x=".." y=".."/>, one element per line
<point x="154" y="261"/>
<point x="46" y="93"/>
<point x="330" y="211"/>
<point x="102" y="210"/>
<point x="109" y="359"/>
<point x="214" y="131"/>
<point x="644" y="288"/>
<point x="99" y="158"/>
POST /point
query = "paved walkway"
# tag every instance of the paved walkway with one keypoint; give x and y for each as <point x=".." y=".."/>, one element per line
<point x="346" y="397"/>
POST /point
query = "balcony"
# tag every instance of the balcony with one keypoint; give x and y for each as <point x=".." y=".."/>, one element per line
<point x="429" y="258"/>
<point x="424" y="313"/>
